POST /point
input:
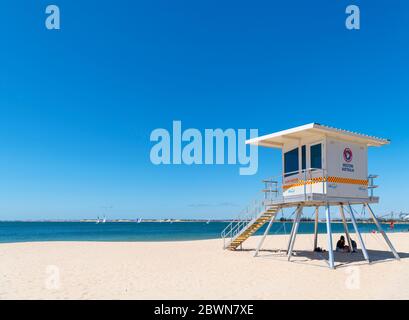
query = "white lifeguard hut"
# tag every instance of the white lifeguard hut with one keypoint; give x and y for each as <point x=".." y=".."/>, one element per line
<point x="322" y="166"/>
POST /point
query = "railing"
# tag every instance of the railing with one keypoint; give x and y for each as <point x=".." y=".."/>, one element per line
<point x="313" y="180"/>
<point x="274" y="188"/>
<point x="371" y="185"/>
<point x="273" y="191"/>
<point x="246" y="217"/>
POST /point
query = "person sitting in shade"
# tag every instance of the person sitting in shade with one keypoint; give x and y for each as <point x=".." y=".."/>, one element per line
<point x="342" y="247"/>
<point x="341" y="244"/>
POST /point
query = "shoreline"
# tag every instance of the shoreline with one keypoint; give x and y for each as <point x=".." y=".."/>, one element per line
<point x="184" y="240"/>
<point x="155" y="232"/>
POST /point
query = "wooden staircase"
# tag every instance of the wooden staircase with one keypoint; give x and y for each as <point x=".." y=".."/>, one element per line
<point x="249" y="229"/>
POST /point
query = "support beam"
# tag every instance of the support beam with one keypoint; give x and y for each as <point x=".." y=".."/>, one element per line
<point x="265" y="234"/>
<point x="316" y="229"/>
<point x="297" y="224"/>
<point x="329" y="235"/>
<point x="382" y="232"/>
<point x="344" y="222"/>
<point x="361" y="242"/>
<point x="292" y="230"/>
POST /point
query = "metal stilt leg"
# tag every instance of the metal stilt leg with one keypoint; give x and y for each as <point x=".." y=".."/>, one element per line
<point x="382" y="232"/>
<point x="297" y="224"/>
<point x="292" y="231"/>
<point x="329" y="235"/>
<point x="264" y="236"/>
<point x="344" y="222"/>
<point x="316" y="229"/>
<point x="361" y="242"/>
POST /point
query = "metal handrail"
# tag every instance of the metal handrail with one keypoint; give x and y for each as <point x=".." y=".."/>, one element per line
<point x="274" y="188"/>
<point x="371" y="185"/>
<point x="279" y="181"/>
<point x="246" y="216"/>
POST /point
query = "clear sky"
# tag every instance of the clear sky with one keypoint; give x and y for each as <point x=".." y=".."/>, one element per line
<point x="77" y="105"/>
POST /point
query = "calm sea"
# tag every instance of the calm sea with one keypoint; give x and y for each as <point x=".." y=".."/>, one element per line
<point x="145" y="231"/>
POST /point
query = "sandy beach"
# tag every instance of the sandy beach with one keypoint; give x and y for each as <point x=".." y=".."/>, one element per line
<point x="200" y="270"/>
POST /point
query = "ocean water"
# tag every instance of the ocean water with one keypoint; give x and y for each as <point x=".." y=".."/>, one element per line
<point x="147" y="231"/>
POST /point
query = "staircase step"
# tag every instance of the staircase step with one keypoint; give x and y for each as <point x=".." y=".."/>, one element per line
<point x="251" y="227"/>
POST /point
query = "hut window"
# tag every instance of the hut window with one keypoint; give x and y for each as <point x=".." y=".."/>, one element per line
<point x="291" y="162"/>
<point x="316" y="156"/>
<point x="303" y="158"/>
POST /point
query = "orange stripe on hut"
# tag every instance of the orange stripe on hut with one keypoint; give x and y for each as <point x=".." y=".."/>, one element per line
<point x="328" y="179"/>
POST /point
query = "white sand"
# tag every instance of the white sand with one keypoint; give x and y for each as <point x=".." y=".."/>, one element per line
<point x="199" y="270"/>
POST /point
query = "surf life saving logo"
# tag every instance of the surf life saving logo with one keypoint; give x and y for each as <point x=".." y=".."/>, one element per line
<point x="347" y="155"/>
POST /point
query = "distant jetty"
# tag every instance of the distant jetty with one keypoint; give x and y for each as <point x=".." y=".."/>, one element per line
<point x="384" y="221"/>
<point x="157" y="220"/>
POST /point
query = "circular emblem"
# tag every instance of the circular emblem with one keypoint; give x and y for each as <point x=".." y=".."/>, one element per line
<point x="347" y="155"/>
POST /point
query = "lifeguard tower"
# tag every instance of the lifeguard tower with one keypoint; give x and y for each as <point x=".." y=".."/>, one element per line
<point x="322" y="167"/>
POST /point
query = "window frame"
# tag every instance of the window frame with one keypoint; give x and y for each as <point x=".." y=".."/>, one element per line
<point x="322" y="155"/>
<point x="292" y="172"/>
<point x="303" y="157"/>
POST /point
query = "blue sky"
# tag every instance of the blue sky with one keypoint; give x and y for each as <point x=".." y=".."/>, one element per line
<point x="77" y="105"/>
